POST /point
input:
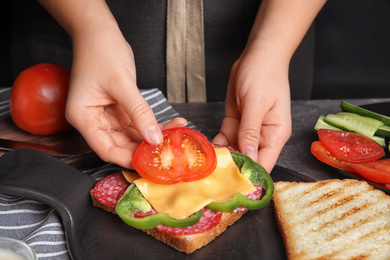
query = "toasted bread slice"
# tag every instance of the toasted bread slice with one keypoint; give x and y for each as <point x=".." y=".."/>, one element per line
<point x="185" y="243"/>
<point x="333" y="219"/>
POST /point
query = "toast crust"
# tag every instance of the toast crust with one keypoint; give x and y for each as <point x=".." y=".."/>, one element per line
<point x="184" y="243"/>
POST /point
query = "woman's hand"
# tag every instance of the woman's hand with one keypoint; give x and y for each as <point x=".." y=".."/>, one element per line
<point x="257" y="118"/>
<point x="104" y="103"/>
<point x="257" y="114"/>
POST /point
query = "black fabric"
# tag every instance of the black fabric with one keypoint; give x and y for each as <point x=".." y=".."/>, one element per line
<point x="226" y="25"/>
<point x="37" y="37"/>
<point x="143" y="25"/>
<point x="352" y="58"/>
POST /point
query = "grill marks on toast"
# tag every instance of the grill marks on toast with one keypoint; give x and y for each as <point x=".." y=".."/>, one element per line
<point x="330" y="218"/>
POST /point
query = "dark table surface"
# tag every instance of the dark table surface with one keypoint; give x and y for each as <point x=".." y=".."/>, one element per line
<point x="296" y="153"/>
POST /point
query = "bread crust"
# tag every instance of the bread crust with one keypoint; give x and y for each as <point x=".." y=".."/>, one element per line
<point x="96" y="203"/>
<point x="184" y="243"/>
<point x="190" y="243"/>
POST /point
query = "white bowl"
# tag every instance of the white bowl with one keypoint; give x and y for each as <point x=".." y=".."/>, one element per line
<point x="13" y="249"/>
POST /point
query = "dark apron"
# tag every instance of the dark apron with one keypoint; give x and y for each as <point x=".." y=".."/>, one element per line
<point x="38" y="38"/>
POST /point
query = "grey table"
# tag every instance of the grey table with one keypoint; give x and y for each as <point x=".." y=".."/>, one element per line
<point x="296" y="153"/>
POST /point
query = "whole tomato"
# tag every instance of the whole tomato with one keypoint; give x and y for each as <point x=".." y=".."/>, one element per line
<point x="38" y="99"/>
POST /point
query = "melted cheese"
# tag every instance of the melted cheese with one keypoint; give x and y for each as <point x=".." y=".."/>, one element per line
<point x="182" y="199"/>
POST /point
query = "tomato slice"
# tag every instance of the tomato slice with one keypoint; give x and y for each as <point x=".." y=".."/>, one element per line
<point x="322" y="154"/>
<point x="350" y="147"/>
<point x="377" y="171"/>
<point x="185" y="155"/>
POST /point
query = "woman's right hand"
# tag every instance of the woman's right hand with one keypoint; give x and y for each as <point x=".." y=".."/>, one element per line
<point x="104" y="103"/>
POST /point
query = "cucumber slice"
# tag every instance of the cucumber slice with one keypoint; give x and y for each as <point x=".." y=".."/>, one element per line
<point x="383" y="131"/>
<point x="358" y="124"/>
<point x="364" y="112"/>
<point x="364" y="119"/>
<point x="380" y="140"/>
<point x="320" y="124"/>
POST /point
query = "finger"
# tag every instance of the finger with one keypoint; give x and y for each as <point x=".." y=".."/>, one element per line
<point x="111" y="152"/>
<point x="228" y="132"/>
<point x="106" y="147"/>
<point x="102" y="131"/>
<point x="275" y="137"/>
<point x="220" y="139"/>
<point x="176" y="122"/>
<point x="268" y="157"/>
<point x="122" y="138"/>
<point x="140" y="113"/>
<point x="250" y="127"/>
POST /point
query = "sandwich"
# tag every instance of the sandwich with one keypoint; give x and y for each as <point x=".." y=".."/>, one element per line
<point x="333" y="219"/>
<point x="185" y="192"/>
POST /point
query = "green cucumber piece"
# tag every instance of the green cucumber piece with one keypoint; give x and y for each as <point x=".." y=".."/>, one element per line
<point x="320" y="124"/>
<point x="364" y="112"/>
<point x="383" y="131"/>
<point x="364" y="119"/>
<point x="353" y="123"/>
<point x="380" y="140"/>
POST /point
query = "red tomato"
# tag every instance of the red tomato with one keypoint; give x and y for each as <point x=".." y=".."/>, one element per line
<point x="185" y="155"/>
<point x="38" y="99"/>
<point x="322" y="154"/>
<point x="377" y="171"/>
<point x="350" y="147"/>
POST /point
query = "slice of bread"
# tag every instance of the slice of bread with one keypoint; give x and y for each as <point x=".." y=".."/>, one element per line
<point x="333" y="219"/>
<point x="185" y="243"/>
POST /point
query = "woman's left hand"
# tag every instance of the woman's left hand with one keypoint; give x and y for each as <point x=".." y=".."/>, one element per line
<point x="257" y="113"/>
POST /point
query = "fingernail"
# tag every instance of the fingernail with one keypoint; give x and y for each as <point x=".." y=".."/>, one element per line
<point x="251" y="152"/>
<point x="154" y="135"/>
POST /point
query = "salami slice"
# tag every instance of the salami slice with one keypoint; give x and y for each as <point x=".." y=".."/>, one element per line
<point x="110" y="189"/>
<point x="256" y="195"/>
<point x="140" y="214"/>
<point x="208" y="220"/>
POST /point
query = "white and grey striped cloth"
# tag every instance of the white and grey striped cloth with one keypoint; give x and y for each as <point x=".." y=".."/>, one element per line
<point x="38" y="224"/>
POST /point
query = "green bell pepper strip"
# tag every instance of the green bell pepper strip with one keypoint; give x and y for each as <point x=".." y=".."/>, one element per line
<point x="257" y="175"/>
<point x="133" y="201"/>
